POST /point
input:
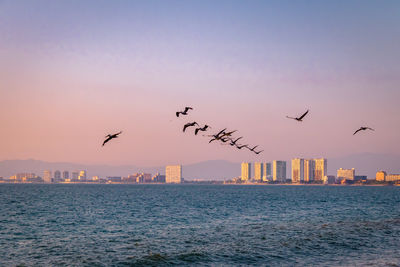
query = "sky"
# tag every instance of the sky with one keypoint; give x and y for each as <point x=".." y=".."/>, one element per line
<point x="72" y="72"/>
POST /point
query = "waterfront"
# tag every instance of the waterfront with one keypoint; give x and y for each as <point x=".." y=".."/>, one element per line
<point x="122" y="225"/>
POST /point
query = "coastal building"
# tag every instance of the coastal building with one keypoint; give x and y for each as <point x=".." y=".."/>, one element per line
<point x="57" y="176"/>
<point x="258" y="171"/>
<point x="392" y="177"/>
<point x="279" y="171"/>
<point x="173" y="174"/>
<point x="47" y="176"/>
<point x="158" y="178"/>
<point x="348" y="174"/>
<point x="65" y="175"/>
<point x="297" y="170"/>
<point x="114" y="179"/>
<point x="246" y="171"/>
<point x="75" y="175"/>
<point x="321" y="166"/>
<point x="267" y="175"/>
<point x="309" y="170"/>
<point x="82" y="176"/>
<point x="380" y="176"/>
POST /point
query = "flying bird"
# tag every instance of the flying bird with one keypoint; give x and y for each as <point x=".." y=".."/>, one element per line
<point x="299" y="118"/>
<point x="203" y="129"/>
<point x="228" y="133"/>
<point x="185" y="112"/>
<point x="242" y="146"/>
<point x="363" y="129"/>
<point x="252" y="149"/>
<point x="258" y="152"/>
<point x="111" y="136"/>
<point x="233" y="142"/>
<point x="189" y="124"/>
<point x="217" y="136"/>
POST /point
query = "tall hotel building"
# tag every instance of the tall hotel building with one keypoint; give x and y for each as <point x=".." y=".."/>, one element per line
<point x="173" y="174"/>
<point x="258" y="171"/>
<point x="47" y="176"/>
<point x="279" y="171"/>
<point x="309" y="170"/>
<point x="321" y="166"/>
<point x="246" y="171"/>
<point x="297" y="170"/>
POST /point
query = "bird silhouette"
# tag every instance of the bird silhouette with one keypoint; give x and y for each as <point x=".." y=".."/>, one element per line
<point x="258" y="152"/>
<point x="111" y="136"/>
<point x="233" y="142"/>
<point x="185" y="112"/>
<point x="363" y="129"/>
<point x="242" y="146"/>
<point x="189" y="124"/>
<point x="217" y="136"/>
<point x="252" y="149"/>
<point x="228" y="133"/>
<point x="203" y="129"/>
<point x="299" y="118"/>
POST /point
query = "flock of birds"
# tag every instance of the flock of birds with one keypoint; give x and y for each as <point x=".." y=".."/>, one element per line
<point x="224" y="136"/>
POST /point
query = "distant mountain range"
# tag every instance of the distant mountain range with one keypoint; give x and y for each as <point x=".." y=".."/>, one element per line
<point x="365" y="164"/>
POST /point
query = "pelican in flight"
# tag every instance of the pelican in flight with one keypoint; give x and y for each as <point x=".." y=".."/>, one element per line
<point x="363" y="129"/>
<point x="252" y="149"/>
<point x="189" y="124"/>
<point x="217" y="136"/>
<point x="183" y="112"/>
<point x="111" y="136"/>
<point x="203" y="129"/>
<point x="233" y="142"/>
<point x="299" y="118"/>
<point x="242" y="146"/>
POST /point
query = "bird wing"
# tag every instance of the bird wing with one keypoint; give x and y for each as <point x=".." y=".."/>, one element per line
<point x="108" y="139"/>
<point x="196" y="131"/>
<point x="258" y="152"/>
<point x="177" y="113"/>
<point x="290" y="117"/>
<point x="302" y="116"/>
<point x="370" y="129"/>
<point x="357" y="131"/>
<point x="187" y="109"/>
<point x="221" y="132"/>
<point x="185" y="126"/>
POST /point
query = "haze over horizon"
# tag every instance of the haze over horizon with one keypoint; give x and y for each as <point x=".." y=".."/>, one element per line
<point x="73" y="72"/>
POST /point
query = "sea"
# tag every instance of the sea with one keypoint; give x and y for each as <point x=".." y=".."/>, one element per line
<point x="198" y="225"/>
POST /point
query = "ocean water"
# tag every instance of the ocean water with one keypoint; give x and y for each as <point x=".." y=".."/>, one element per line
<point x="198" y="225"/>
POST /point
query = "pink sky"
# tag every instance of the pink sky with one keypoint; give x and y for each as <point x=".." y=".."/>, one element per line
<point x="69" y="75"/>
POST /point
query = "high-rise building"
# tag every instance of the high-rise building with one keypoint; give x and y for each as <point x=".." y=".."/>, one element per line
<point x="57" y="176"/>
<point x="279" y="171"/>
<point x="258" y="171"/>
<point x="47" y="176"/>
<point x="65" y="175"/>
<point x="246" y="171"/>
<point x="381" y="176"/>
<point x="173" y="174"/>
<point x="309" y="170"/>
<point x="267" y="176"/>
<point x="347" y="174"/>
<point x="82" y="176"/>
<point x="297" y="170"/>
<point x="320" y="171"/>
<point x="75" y="175"/>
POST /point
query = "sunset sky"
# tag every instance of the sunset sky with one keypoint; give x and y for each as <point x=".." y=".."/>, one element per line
<point x="72" y="72"/>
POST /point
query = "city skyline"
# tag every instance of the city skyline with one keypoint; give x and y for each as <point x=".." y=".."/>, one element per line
<point x="73" y="72"/>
